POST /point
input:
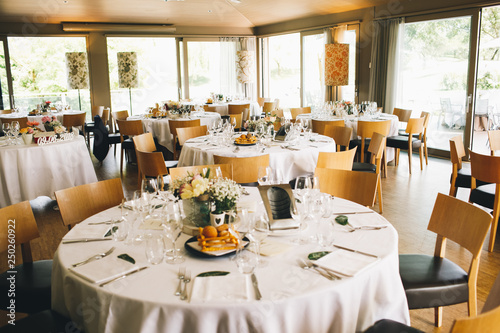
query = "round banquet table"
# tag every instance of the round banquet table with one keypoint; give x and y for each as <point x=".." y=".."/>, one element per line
<point x="222" y="108"/>
<point x="29" y="171"/>
<point x="59" y="116"/>
<point x="297" y="160"/>
<point x="293" y="299"/>
<point x="352" y="121"/>
<point x="161" y="131"/>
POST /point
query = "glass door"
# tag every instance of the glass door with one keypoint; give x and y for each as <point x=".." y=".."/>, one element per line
<point x="437" y="74"/>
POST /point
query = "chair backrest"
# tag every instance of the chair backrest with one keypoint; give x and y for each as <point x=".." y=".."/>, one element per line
<point x="20" y="219"/>
<point x="403" y="114"/>
<point x="357" y="186"/>
<point x="415" y="126"/>
<point x="175" y="124"/>
<point x="488" y="322"/>
<point x="366" y="128"/>
<point x="245" y="169"/>
<point x="377" y="148"/>
<point x="278" y="113"/>
<point x="186" y="133"/>
<point x="341" y="135"/>
<point x="236" y="119"/>
<point x="459" y="221"/>
<point x="457" y="151"/>
<point x="80" y="202"/>
<point x="23" y="121"/>
<point x="97" y="110"/>
<point x="180" y="172"/>
<point x="74" y="120"/>
<point x="318" y="126"/>
<point x="121" y="115"/>
<point x="209" y="108"/>
<point x="151" y="164"/>
<point x="493" y="299"/>
<point x="494" y="140"/>
<point x="485" y="168"/>
<point x="105" y="116"/>
<point x="5" y="111"/>
<point x="237" y="108"/>
<point x="296" y="111"/>
<point x="341" y="160"/>
<point x="268" y="107"/>
<point x="129" y="127"/>
<point x="262" y="100"/>
<point x="144" y="142"/>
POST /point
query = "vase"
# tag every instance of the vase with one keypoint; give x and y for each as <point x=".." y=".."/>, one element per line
<point x="197" y="212"/>
<point x="27" y="138"/>
<point x="216" y="220"/>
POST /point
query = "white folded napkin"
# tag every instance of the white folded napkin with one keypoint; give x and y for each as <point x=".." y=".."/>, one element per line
<point x="104" y="269"/>
<point x="270" y="248"/>
<point x="366" y="221"/>
<point x="88" y="231"/>
<point x="284" y="224"/>
<point x="346" y="262"/>
<point x="227" y="288"/>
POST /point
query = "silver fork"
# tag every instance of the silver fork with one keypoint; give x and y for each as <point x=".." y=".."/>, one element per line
<point x="95" y="257"/>
<point x="237" y="149"/>
<point x="180" y="276"/>
<point x="307" y="266"/>
<point x="187" y="279"/>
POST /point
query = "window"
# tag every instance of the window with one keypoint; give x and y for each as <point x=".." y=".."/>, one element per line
<point x="38" y="66"/>
<point x="204" y="69"/>
<point x="157" y="72"/>
<point x="313" y="69"/>
<point x="4" y="89"/>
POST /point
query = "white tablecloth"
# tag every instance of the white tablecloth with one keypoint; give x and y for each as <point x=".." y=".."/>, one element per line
<point x="293" y="299"/>
<point x="352" y="122"/>
<point x="293" y="163"/>
<point x="161" y="131"/>
<point x="59" y="116"/>
<point x="31" y="171"/>
<point x="222" y="108"/>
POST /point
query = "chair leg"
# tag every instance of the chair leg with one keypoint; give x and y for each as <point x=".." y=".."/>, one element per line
<point x="438" y="316"/>
<point x="121" y="162"/>
<point x="379" y="192"/>
<point x="420" y="153"/>
<point x="410" y="152"/>
<point x="397" y="156"/>
<point x="425" y="151"/>
<point x="494" y="223"/>
<point x="453" y="190"/>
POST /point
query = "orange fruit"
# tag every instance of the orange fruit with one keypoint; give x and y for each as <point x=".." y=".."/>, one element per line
<point x="209" y="231"/>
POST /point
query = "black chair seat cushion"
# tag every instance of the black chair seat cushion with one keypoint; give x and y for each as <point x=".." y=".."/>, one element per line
<point x="114" y="138"/>
<point x="484" y="195"/>
<point x="391" y="326"/>
<point x="89" y="127"/>
<point x="357" y="143"/>
<point x="463" y="178"/>
<point x="401" y="142"/>
<point x="364" y="167"/>
<point x="32" y="290"/>
<point x="47" y="321"/>
<point x="128" y="144"/>
<point x="432" y="281"/>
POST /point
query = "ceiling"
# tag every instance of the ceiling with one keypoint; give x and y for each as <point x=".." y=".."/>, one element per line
<point x="213" y="13"/>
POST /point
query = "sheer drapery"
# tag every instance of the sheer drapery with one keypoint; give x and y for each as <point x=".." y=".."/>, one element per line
<point x="385" y="62"/>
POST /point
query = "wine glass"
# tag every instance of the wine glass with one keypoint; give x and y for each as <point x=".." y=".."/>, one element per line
<point x="259" y="231"/>
<point x="264" y="175"/>
<point x="155" y="248"/>
<point x="163" y="186"/>
<point x="149" y="189"/>
<point x="14" y="131"/>
<point x="172" y="224"/>
<point x="6" y="131"/>
<point x="298" y="213"/>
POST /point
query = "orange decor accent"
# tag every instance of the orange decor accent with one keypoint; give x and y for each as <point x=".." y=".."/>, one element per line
<point x="336" y="64"/>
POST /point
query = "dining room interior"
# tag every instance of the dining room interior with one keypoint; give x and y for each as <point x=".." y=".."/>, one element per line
<point x="388" y="110"/>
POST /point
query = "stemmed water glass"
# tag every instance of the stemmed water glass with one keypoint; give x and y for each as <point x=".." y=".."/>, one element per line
<point x="172" y="224"/>
<point x="163" y="187"/>
<point x="6" y="131"/>
<point x="258" y="232"/>
<point x="14" y="131"/>
<point x="264" y="175"/>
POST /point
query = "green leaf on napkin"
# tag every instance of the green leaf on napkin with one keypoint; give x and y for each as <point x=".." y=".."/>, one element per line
<point x="212" y="273"/>
<point x="110" y="231"/>
<point x="342" y="219"/>
<point x="126" y="257"/>
<point x="317" y="255"/>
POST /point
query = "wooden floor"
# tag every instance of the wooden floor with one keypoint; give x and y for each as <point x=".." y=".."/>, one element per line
<point x="408" y="202"/>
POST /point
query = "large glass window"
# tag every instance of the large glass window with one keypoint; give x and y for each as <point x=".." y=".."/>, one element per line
<point x="38" y="66"/>
<point x="204" y="69"/>
<point x="349" y="91"/>
<point x="157" y="72"/>
<point x="313" y="69"/>
<point x="284" y="69"/>
<point x="4" y="90"/>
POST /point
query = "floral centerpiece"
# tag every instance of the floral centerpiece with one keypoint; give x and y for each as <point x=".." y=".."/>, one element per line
<point x="343" y="107"/>
<point x="224" y="193"/>
<point x="52" y="124"/>
<point x="270" y="120"/>
<point x="193" y="190"/>
<point x="46" y="106"/>
<point x="28" y="131"/>
<point x="176" y="108"/>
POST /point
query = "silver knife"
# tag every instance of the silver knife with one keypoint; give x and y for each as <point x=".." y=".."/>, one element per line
<point x="124" y="275"/>
<point x="355" y="251"/>
<point x="255" y="283"/>
<point x="352" y="213"/>
<point x="85" y="240"/>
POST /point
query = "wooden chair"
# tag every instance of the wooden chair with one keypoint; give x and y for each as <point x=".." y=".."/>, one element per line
<point x="278" y="113"/>
<point x="360" y="187"/>
<point x="340" y="134"/>
<point x="5" y="111"/>
<point x="427" y="278"/>
<point x="486" y="168"/>
<point x="23" y="121"/>
<point x="236" y="119"/>
<point x="296" y="111"/>
<point x="318" y="126"/>
<point x="341" y="160"/>
<point x="144" y="142"/>
<point x="33" y="279"/>
<point x="237" y="108"/>
<point x="209" y="108"/>
<point x="80" y="202"/>
<point x="180" y="172"/>
<point x="89" y="126"/>
<point x="245" y="169"/>
<point x="186" y="133"/>
<point x="415" y="126"/>
<point x="460" y="174"/>
<point x="118" y="115"/>
<point x="150" y="164"/>
<point x="403" y="115"/>
<point x="269" y="107"/>
<point x="494" y="141"/>
<point x="74" y="120"/>
<point x="365" y="132"/>
<point x="128" y="128"/>
<point x="262" y="100"/>
<point x="174" y="125"/>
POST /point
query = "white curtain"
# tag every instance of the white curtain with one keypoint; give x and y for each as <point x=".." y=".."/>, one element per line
<point x="228" y="83"/>
<point x="338" y="36"/>
<point x="393" y="61"/>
